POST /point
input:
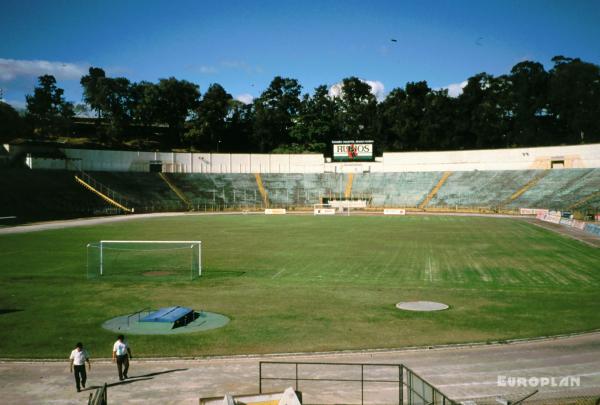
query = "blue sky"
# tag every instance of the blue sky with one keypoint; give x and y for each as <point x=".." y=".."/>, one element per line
<point x="243" y="45"/>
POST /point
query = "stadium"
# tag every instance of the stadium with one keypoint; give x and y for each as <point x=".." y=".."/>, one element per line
<point x="300" y="202"/>
<point x="304" y="254"/>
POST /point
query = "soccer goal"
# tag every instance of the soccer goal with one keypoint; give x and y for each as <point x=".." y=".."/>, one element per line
<point x="161" y="260"/>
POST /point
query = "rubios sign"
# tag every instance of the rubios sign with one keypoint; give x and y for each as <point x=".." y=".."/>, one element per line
<point x="352" y="150"/>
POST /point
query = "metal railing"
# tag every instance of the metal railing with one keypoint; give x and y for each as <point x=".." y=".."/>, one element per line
<point x="350" y="383"/>
<point x="99" y="397"/>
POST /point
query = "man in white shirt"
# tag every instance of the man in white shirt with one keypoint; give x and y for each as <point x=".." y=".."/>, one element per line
<point x="78" y="358"/>
<point x="121" y="355"/>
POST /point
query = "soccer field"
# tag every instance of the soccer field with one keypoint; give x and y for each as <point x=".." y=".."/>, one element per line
<point x="304" y="283"/>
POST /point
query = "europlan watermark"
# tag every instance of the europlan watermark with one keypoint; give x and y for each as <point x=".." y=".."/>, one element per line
<point x="537" y="382"/>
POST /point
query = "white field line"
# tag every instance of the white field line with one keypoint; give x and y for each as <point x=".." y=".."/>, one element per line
<point x="430" y="271"/>
<point x="278" y="273"/>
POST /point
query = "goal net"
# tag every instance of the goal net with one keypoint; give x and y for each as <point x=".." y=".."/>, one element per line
<point x="160" y="260"/>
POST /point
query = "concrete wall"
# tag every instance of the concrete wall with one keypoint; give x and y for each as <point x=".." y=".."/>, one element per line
<point x="580" y="156"/>
<point x="173" y="162"/>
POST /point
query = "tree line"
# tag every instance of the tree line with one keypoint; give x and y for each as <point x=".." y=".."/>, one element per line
<point x="529" y="106"/>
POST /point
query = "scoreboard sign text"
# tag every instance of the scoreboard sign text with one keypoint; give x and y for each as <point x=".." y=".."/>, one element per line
<point x="352" y="150"/>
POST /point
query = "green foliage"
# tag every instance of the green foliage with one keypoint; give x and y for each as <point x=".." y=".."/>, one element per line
<point x="210" y="125"/>
<point x="93" y="89"/>
<point x="316" y="124"/>
<point x="177" y="99"/>
<point x="527" y="107"/>
<point x="276" y="109"/>
<point x="47" y="111"/>
<point x="357" y="110"/>
<point x="145" y="107"/>
<point x="297" y="283"/>
<point x="11" y="123"/>
<point x="574" y="99"/>
<point x="111" y="98"/>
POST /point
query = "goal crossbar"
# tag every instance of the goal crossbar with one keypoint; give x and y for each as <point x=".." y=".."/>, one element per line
<point x="151" y="241"/>
<point x="102" y="245"/>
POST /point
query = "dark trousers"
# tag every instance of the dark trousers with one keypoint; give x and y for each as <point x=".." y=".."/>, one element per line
<point x="80" y="375"/>
<point x="123" y="365"/>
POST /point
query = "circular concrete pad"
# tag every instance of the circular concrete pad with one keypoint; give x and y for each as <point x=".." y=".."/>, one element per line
<point x="422" y="306"/>
<point x="130" y="324"/>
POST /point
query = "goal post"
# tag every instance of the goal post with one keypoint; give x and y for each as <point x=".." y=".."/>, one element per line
<point x="145" y="258"/>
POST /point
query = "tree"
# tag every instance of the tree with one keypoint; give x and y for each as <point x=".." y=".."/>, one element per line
<point x="527" y="104"/>
<point x="11" y="123"/>
<point x="93" y="90"/>
<point x="410" y="118"/>
<point x="240" y="123"/>
<point x="439" y="121"/>
<point x="111" y="98"/>
<point x="482" y="114"/>
<point x="47" y="110"/>
<point x="177" y="99"/>
<point x="316" y="126"/>
<point x="212" y="115"/>
<point x="145" y="108"/>
<point x="117" y="104"/>
<point x="357" y="110"/>
<point x="575" y="99"/>
<point x="276" y="110"/>
<point x="393" y="123"/>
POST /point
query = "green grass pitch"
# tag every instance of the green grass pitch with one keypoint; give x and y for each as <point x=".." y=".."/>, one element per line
<point x="304" y="283"/>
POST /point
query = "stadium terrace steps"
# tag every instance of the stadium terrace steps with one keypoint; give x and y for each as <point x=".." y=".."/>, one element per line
<point x="52" y="194"/>
<point x="527" y="186"/>
<point x="586" y="200"/>
<point x="209" y="190"/>
<point x="105" y="197"/>
<point x="348" y="190"/>
<point x="34" y="195"/>
<point x="176" y="190"/>
<point x="300" y="190"/>
<point x="145" y="191"/>
<point x="405" y="189"/>
<point x="435" y="190"/>
<point x="261" y="188"/>
<point x="560" y="188"/>
<point x="480" y="188"/>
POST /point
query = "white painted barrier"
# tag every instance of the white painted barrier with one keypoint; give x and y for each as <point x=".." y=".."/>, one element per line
<point x="394" y="211"/>
<point x="275" y="211"/>
<point x="324" y="211"/>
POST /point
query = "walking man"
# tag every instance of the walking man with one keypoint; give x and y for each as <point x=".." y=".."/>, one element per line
<point x="121" y="355"/>
<point x="78" y="358"/>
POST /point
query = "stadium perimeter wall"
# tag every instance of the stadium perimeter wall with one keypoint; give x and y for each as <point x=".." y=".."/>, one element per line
<point x="578" y="156"/>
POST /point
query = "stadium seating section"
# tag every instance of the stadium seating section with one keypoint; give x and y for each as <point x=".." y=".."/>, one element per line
<point x="51" y="194"/>
<point x="33" y="195"/>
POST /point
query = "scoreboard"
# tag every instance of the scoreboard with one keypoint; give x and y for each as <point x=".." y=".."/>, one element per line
<point x="358" y="150"/>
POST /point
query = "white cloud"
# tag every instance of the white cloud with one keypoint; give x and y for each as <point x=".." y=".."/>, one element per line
<point x="208" y="70"/>
<point x="245" y="98"/>
<point x="455" y="89"/>
<point x="241" y="65"/>
<point x="12" y="68"/>
<point x="377" y="89"/>
<point x="335" y="90"/>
